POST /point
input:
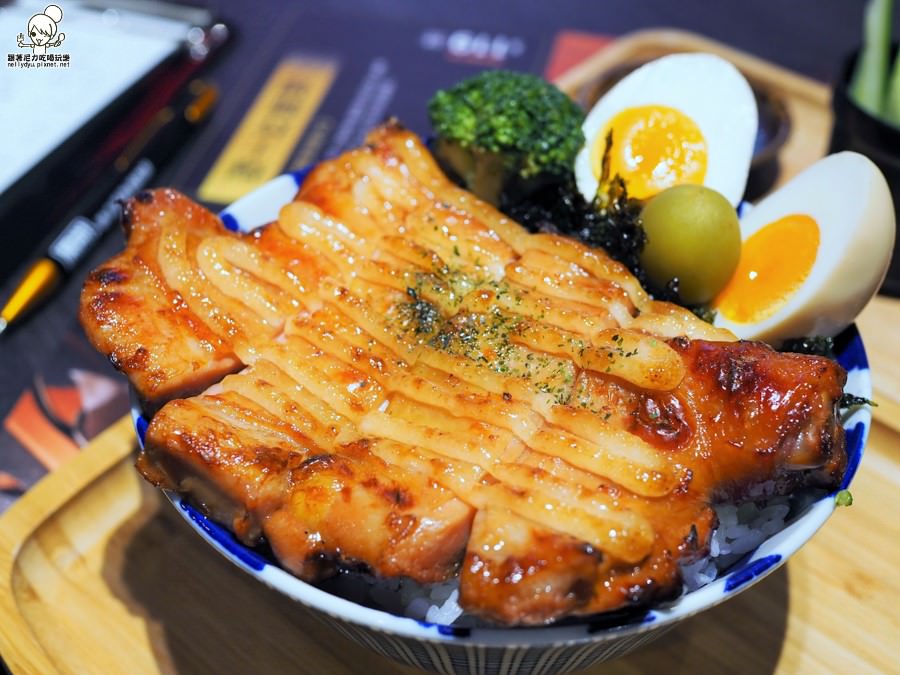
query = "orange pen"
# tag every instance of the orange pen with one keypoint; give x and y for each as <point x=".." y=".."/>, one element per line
<point x="137" y="164"/>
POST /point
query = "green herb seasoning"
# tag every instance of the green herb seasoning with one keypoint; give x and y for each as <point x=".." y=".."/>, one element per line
<point x="843" y="498"/>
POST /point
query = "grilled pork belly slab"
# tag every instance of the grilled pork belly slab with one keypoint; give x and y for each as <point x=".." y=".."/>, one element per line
<point x="421" y="388"/>
<point x="142" y="323"/>
<point x="316" y="506"/>
<point x="186" y="302"/>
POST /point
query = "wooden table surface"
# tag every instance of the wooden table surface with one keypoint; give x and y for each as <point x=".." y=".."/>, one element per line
<point x="98" y="574"/>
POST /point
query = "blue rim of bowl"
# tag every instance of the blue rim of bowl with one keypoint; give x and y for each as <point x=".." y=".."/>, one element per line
<point x="261" y="207"/>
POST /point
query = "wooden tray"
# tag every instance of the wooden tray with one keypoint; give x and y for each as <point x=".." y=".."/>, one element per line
<point x="99" y="575"/>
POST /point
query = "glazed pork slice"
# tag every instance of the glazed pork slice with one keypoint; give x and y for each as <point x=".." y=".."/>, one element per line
<point x="557" y="532"/>
<point x="187" y="300"/>
<point x="724" y="430"/>
<point x="319" y="508"/>
<point x="419" y="387"/>
<point x="133" y="316"/>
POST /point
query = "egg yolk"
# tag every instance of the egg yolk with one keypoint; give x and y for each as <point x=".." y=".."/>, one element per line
<point x="654" y="147"/>
<point x="775" y="262"/>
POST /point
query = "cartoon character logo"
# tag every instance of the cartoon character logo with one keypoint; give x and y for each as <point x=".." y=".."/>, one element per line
<point x="42" y="29"/>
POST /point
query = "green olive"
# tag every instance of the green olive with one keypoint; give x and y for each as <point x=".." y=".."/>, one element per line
<point x="693" y="234"/>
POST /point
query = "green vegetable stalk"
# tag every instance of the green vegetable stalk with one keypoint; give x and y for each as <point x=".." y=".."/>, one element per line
<point x="892" y="103"/>
<point x="869" y="84"/>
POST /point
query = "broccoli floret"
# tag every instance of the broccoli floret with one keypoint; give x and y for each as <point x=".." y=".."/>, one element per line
<point x="506" y="133"/>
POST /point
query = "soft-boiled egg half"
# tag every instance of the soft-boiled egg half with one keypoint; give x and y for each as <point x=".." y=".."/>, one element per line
<point x="814" y="252"/>
<point x="684" y="118"/>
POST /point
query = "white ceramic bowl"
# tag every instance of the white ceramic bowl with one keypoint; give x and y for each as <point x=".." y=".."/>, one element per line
<point x="489" y="651"/>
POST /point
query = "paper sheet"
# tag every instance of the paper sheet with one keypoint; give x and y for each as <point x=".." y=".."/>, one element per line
<point x="41" y="106"/>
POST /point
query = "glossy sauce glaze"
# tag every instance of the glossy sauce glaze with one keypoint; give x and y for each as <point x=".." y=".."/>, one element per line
<point x="418" y="387"/>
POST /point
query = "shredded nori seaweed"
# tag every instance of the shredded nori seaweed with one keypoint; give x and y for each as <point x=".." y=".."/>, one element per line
<point x="853" y="401"/>
<point x="820" y="345"/>
<point x="816" y="345"/>
<point x="611" y="221"/>
<point x="614" y="226"/>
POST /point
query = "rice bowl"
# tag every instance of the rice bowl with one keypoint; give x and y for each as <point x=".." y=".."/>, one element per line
<point x="434" y="637"/>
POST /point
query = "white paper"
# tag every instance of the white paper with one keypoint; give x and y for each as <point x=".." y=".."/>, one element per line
<point x="41" y="107"/>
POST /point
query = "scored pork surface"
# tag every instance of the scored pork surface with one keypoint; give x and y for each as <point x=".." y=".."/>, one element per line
<point x="397" y="378"/>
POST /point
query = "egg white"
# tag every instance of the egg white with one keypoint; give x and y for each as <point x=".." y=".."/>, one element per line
<point x="704" y="87"/>
<point x="848" y="197"/>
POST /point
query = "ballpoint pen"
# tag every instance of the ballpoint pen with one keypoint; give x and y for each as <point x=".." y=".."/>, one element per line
<point x="136" y="166"/>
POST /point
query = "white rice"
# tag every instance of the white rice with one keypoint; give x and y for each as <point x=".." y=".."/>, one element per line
<point x="741" y="529"/>
<point x="435" y="603"/>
